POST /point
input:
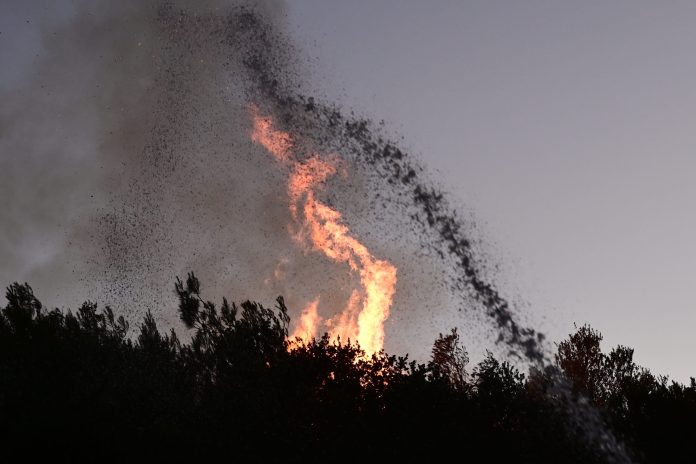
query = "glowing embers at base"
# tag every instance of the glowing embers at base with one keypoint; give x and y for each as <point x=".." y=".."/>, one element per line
<point x="319" y="228"/>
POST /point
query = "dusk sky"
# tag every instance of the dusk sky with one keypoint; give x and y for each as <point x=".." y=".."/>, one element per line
<point x="566" y="127"/>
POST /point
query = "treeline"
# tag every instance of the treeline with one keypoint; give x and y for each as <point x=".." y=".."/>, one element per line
<point x="76" y="385"/>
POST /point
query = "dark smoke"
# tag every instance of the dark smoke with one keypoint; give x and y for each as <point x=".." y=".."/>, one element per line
<point x="130" y="143"/>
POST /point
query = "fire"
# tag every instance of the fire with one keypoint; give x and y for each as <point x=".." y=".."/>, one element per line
<point x="275" y="141"/>
<point x="320" y="228"/>
<point x="307" y="327"/>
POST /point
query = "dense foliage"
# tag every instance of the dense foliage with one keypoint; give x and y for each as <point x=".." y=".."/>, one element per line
<point x="78" y="385"/>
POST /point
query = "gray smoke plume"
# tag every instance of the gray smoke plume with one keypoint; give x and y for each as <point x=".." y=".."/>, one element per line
<point x="125" y="154"/>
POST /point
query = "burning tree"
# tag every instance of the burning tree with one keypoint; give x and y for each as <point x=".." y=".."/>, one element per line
<point x="319" y="228"/>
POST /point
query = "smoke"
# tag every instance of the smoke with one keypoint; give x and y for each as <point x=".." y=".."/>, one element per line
<point x="125" y="154"/>
<point x="128" y="162"/>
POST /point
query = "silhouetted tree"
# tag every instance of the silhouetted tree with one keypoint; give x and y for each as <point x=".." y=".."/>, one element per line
<point x="449" y="360"/>
<point x="78" y="386"/>
<point x="581" y="359"/>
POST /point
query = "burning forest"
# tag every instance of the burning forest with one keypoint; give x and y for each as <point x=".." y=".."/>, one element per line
<point x="184" y="141"/>
<point x="320" y="226"/>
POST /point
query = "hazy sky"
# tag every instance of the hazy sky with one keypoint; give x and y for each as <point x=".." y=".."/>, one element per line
<point x="569" y="127"/>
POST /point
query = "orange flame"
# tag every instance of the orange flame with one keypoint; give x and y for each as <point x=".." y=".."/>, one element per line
<point x="321" y="229"/>
<point x="309" y="319"/>
<point x="275" y="141"/>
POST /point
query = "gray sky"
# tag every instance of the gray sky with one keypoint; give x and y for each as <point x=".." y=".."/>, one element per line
<point x="567" y="126"/>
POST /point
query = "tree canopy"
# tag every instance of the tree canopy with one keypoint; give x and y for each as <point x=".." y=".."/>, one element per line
<point x="79" y="385"/>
